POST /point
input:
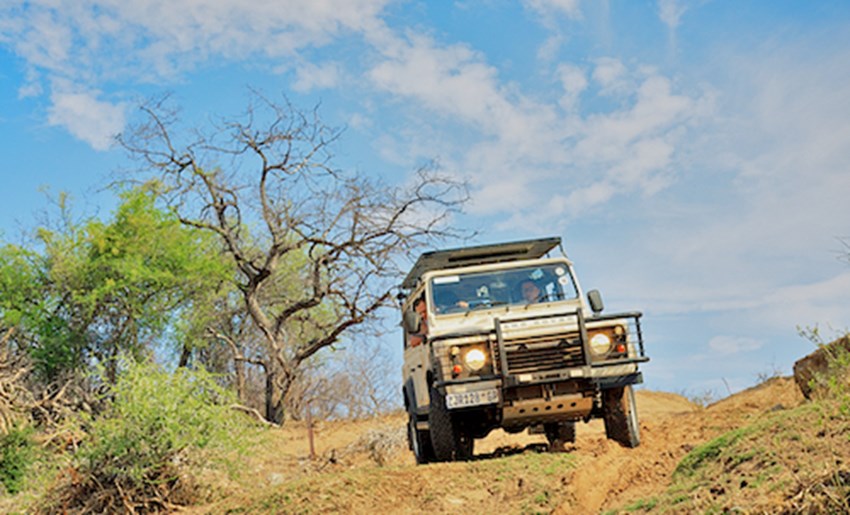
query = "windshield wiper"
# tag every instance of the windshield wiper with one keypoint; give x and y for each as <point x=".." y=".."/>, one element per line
<point x="486" y="305"/>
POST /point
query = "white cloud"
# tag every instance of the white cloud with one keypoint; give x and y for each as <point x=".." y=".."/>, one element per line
<point x="612" y="76"/>
<point x="94" y="121"/>
<point x="580" y="200"/>
<point x="670" y="12"/>
<point x="32" y="86"/>
<point x="310" y="76"/>
<point x="726" y="345"/>
<point x="805" y="304"/>
<point x="655" y="111"/>
<point x="452" y="80"/>
<point x="92" y="43"/>
<point x="574" y="82"/>
<point x="546" y="8"/>
<point x="159" y="38"/>
<point x="785" y="139"/>
<point x="360" y="121"/>
<point x="525" y="146"/>
<point x="550" y="14"/>
<point x="548" y="51"/>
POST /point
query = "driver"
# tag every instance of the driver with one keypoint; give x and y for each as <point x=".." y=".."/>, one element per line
<point x="530" y="291"/>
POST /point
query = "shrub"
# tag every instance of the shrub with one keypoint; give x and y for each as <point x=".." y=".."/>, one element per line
<point x="16" y="457"/>
<point x="139" y="454"/>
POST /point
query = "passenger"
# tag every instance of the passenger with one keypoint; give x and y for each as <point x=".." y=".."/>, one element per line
<point x="420" y="307"/>
<point x="530" y="292"/>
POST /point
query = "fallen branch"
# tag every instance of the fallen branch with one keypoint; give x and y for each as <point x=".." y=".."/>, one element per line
<point x="7" y="336"/>
<point x="254" y="413"/>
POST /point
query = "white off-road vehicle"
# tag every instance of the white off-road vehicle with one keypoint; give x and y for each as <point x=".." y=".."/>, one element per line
<point x="504" y="338"/>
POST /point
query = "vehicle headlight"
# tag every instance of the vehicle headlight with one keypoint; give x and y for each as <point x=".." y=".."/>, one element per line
<point x="600" y="343"/>
<point x="475" y="359"/>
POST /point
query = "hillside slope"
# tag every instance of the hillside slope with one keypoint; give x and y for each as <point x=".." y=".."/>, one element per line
<point x="365" y="467"/>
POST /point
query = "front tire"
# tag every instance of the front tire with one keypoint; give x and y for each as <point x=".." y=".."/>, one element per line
<point x="620" y="413"/>
<point x="419" y="442"/>
<point x="448" y="439"/>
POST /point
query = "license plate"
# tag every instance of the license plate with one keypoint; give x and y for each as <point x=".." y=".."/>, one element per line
<point x="467" y="399"/>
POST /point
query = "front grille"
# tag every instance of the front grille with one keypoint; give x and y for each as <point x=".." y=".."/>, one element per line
<point x="541" y="353"/>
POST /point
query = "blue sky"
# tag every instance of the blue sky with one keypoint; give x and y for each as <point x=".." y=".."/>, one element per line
<point x="693" y="155"/>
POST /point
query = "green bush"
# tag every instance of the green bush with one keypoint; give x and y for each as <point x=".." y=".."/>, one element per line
<point x="146" y="449"/>
<point x="156" y="416"/>
<point x="16" y="457"/>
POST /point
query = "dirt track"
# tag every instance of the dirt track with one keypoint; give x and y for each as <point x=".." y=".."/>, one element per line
<point x="596" y="474"/>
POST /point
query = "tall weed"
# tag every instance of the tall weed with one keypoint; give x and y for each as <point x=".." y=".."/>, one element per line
<point x="834" y="381"/>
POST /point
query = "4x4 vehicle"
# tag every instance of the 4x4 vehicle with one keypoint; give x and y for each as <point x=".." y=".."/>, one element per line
<point x="500" y="336"/>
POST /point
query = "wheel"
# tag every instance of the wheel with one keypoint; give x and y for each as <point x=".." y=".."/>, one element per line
<point x="559" y="434"/>
<point x="620" y="413"/>
<point x="419" y="442"/>
<point x="448" y="439"/>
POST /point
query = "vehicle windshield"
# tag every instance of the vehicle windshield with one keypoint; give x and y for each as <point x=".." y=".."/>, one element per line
<point x="522" y="286"/>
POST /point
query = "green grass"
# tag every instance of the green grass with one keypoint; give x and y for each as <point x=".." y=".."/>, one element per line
<point x="748" y="467"/>
<point x="642" y="505"/>
<point x="708" y="452"/>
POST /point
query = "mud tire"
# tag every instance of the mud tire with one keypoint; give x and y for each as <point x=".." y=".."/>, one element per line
<point x="559" y="434"/>
<point x="620" y="414"/>
<point x="448" y="439"/>
<point x="419" y="442"/>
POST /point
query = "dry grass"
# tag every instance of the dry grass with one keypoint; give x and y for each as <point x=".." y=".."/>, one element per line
<point x="763" y="450"/>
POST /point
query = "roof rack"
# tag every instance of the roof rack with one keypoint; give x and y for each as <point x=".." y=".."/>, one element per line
<point x="479" y="255"/>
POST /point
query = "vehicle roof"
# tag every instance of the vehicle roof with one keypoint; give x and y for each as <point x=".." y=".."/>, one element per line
<point x="478" y="255"/>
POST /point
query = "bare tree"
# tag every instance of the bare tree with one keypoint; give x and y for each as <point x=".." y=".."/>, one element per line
<point x="263" y="182"/>
<point x="350" y="383"/>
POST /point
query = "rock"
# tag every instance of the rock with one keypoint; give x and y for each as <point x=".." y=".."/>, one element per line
<point x="380" y="443"/>
<point x="810" y="372"/>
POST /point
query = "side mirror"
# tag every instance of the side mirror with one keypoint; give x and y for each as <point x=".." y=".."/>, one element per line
<point x="595" y="299"/>
<point x="412" y="321"/>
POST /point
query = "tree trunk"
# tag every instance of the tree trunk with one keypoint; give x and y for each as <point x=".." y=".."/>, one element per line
<point x="274" y="399"/>
<point x="185" y="354"/>
<point x="112" y="365"/>
<point x="239" y="368"/>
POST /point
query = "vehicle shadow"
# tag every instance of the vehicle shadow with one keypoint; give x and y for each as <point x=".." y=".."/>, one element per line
<point x="511" y="450"/>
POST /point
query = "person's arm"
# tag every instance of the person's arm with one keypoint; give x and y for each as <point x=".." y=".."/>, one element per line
<point x="419" y="338"/>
